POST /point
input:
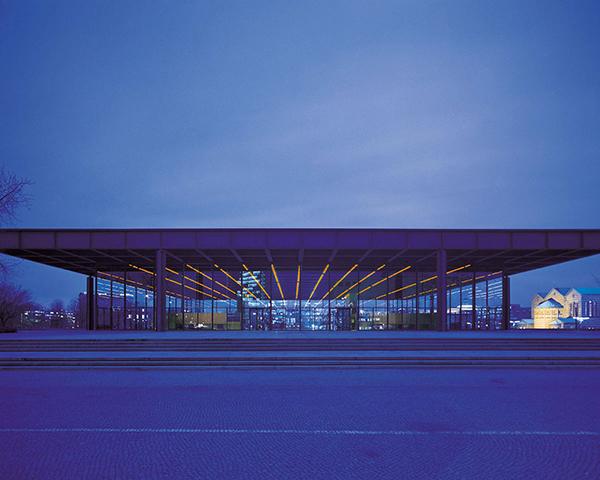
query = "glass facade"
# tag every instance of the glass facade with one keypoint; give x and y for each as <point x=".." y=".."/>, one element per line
<point x="326" y="299"/>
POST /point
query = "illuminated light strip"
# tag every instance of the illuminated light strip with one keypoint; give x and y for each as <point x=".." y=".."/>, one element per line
<point x="420" y="294"/>
<point x="488" y="275"/>
<point x="360" y="281"/>
<point x="384" y="279"/>
<point x="128" y="282"/>
<point x="207" y="287"/>
<point x="257" y="282"/>
<point x="396" y="291"/>
<point x="429" y="279"/>
<point x="318" y="282"/>
<point x="237" y="282"/>
<point x="298" y="283"/>
<point x="434" y="277"/>
<point x="229" y="276"/>
<point x="496" y="287"/>
<point x="211" y="279"/>
<point x="468" y="280"/>
<point x="186" y="277"/>
<point x="277" y="280"/>
<point x="449" y="271"/>
<point x="458" y="269"/>
<point x="142" y="269"/>
<point x="198" y="283"/>
<point x="111" y="275"/>
<point x="339" y="281"/>
<point x="188" y="287"/>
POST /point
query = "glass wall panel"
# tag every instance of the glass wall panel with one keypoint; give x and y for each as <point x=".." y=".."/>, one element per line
<point x="327" y="298"/>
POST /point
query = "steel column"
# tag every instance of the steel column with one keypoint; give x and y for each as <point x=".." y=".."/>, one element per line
<point x="242" y="301"/>
<point x="96" y="302"/>
<point x="401" y="302"/>
<point x="505" y="301"/>
<point x="182" y="276"/>
<point x="90" y="301"/>
<point x="159" y="291"/>
<point x="387" y="304"/>
<point x="449" y="303"/>
<point x="125" y="300"/>
<point x="474" y="302"/>
<point x="417" y="300"/>
<point x="460" y="301"/>
<point x="135" y="307"/>
<point x="111" y="303"/>
<point x="212" y="303"/>
<point x="488" y="318"/>
<point x="329" y="298"/>
<point x="442" y="267"/>
<point x="358" y="303"/>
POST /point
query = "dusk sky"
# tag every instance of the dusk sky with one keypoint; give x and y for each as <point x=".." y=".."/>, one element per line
<point x="303" y="114"/>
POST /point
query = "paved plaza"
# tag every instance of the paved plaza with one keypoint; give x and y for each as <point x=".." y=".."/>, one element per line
<point x="308" y="423"/>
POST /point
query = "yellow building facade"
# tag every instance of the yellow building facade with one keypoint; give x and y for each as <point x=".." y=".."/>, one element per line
<point x="564" y="303"/>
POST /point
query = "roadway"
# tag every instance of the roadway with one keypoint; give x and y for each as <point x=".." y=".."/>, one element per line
<point x="306" y="423"/>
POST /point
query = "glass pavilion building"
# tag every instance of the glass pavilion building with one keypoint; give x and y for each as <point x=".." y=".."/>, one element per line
<point x="299" y="279"/>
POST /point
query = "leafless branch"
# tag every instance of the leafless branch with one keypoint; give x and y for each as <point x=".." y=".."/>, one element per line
<point x="13" y="195"/>
<point x="13" y="301"/>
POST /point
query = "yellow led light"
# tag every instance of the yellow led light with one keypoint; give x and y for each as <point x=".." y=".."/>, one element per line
<point x="142" y="269"/>
<point x="318" y="282"/>
<point x="241" y="286"/>
<point x="277" y="280"/>
<point x="208" y="288"/>
<point x="397" y="290"/>
<point x="339" y="281"/>
<point x="459" y="268"/>
<point x="298" y="282"/>
<point x="384" y="279"/>
<point x="429" y="279"/>
<point x="170" y="270"/>
<point x="359" y="281"/>
<point x="188" y="287"/>
<point x="227" y="274"/>
<point x="129" y="282"/>
<point x="211" y="279"/>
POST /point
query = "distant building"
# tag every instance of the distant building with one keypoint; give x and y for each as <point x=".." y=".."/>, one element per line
<point x="34" y="319"/>
<point x="566" y="308"/>
<point x="546" y="313"/>
<point x="584" y="302"/>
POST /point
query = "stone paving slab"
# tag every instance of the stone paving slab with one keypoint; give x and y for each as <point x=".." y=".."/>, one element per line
<point x="384" y="424"/>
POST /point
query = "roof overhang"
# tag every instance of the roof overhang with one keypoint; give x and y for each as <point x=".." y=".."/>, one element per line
<point x="90" y="250"/>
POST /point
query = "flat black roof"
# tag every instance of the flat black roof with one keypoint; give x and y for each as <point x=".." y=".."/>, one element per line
<point x="486" y="250"/>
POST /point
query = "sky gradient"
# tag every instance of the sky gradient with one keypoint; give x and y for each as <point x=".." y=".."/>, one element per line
<point x="303" y="114"/>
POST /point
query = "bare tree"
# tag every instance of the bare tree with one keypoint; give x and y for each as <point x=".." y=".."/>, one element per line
<point x="13" y="302"/>
<point x="57" y="306"/>
<point x="13" y="299"/>
<point x="12" y="194"/>
<point x="77" y="307"/>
